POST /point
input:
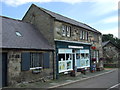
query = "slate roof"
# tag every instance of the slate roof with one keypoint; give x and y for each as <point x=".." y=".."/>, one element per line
<point x="31" y="38"/>
<point x="107" y="42"/>
<point x="67" y="20"/>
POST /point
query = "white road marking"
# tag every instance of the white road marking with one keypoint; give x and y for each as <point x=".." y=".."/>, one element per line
<point x="114" y="86"/>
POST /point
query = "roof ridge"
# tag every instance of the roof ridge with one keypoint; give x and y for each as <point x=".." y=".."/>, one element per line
<point x="50" y="13"/>
<point x="60" y="14"/>
<point x="10" y="18"/>
<point x="14" y="19"/>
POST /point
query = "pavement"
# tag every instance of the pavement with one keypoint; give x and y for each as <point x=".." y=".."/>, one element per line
<point x="64" y="80"/>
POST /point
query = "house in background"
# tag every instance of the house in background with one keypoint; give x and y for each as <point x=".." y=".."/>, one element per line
<point x="26" y="54"/>
<point x="76" y="44"/>
<point x="110" y="52"/>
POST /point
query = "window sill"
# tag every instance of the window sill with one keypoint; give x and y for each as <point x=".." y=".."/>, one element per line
<point x="35" y="68"/>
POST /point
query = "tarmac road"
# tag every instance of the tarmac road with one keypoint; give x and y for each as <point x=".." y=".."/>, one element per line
<point x="107" y="81"/>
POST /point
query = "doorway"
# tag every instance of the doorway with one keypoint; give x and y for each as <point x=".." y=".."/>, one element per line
<point x="4" y="69"/>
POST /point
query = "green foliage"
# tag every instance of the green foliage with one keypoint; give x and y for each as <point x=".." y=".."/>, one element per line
<point x="107" y="37"/>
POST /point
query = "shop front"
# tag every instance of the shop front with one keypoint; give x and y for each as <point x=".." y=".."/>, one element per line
<point x="72" y="55"/>
<point x="82" y="58"/>
<point x="65" y="60"/>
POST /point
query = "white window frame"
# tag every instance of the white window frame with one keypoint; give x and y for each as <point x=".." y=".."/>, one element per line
<point x="64" y="51"/>
<point x="68" y="30"/>
<point x="81" y="34"/>
<point x="63" y="30"/>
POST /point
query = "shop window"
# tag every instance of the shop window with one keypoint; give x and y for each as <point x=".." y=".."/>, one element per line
<point x="61" y="57"/>
<point x="77" y="56"/>
<point x="67" y="57"/>
<point x="82" y="55"/>
<point x="87" y="62"/>
<point x="65" y="60"/>
<point x="86" y="55"/>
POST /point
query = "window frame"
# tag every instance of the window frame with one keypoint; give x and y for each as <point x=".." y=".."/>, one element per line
<point x="68" y="31"/>
<point x="81" y="34"/>
<point x="35" y="59"/>
<point x="86" y="35"/>
<point x="64" y="31"/>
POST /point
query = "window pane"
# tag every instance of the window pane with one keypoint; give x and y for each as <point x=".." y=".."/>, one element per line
<point x="63" y="30"/>
<point x="77" y="56"/>
<point x="61" y="57"/>
<point x="81" y="35"/>
<point x="82" y="55"/>
<point x="68" y="31"/>
<point x="35" y="60"/>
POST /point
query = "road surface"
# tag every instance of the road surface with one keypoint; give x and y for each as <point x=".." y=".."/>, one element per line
<point x="108" y="81"/>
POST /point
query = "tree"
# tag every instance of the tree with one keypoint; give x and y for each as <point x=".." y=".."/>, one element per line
<point x="107" y="37"/>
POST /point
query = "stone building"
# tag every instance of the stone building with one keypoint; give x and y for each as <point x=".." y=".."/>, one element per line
<point x="45" y="44"/>
<point x="26" y="55"/>
<point x="76" y="44"/>
<point x="110" y="52"/>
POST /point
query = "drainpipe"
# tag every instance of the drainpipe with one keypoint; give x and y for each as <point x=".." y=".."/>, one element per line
<point x="53" y="65"/>
<point x="90" y="58"/>
<point x="57" y="65"/>
<point x="74" y="64"/>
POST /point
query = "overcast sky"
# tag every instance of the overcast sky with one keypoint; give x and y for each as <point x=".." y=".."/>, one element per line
<point x="100" y="14"/>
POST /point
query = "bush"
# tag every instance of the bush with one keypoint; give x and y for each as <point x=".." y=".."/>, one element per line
<point x="110" y="65"/>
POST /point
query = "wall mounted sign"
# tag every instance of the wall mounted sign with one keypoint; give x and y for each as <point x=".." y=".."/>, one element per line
<point x="80" y="47"/>
<point x="64" y="51"/>
<point x="84" y="51"/>
<point x="93" y="47"/>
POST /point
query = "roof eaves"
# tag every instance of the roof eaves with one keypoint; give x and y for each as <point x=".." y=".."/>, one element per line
<point x="47" y="49"/>
<point x="52" y="14"/>
<point x="79" y="26"/>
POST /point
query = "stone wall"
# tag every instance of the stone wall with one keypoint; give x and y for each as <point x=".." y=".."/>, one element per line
<point x="75" y="33"/>
<point x="16" y="75"/>
<point x="51" y="29"/>
<point x="42" y="21"/>
<point x="111" y="53"/>
<point x="75" y="36"/>
<point x="14" y="67"/>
